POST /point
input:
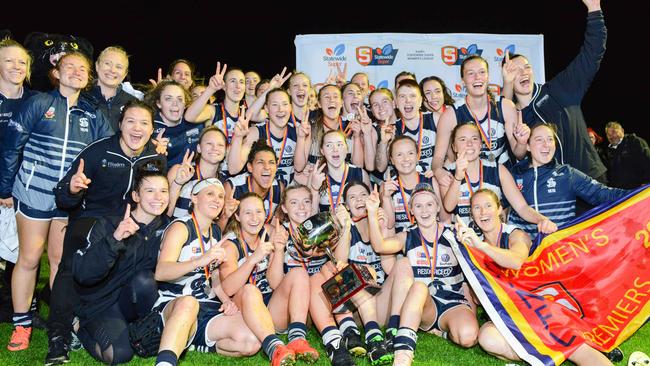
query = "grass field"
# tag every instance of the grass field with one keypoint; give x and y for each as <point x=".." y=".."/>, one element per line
<point x="431" y="350"/>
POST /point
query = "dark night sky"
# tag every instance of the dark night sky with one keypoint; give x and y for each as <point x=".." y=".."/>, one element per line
<point x="261" y="37"/>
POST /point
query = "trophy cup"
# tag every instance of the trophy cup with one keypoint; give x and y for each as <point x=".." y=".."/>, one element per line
<point x="350" y="286"/>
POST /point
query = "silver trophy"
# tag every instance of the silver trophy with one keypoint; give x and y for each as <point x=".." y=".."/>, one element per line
<point x="350" y="286"/>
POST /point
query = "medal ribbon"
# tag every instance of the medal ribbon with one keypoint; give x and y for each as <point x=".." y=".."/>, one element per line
<point x="253" y="276"/>
<point x="403" y="193"/>
<point x="202" y="245"/>
<point x="329" y="188"/>
<point x="419" y="133"/>
<point x="284" y="140"/>
<point x="432" y="263"/>
<point x="480" y="179"/>
<point x="224" y="114"/>
<point x="268" y="195"/>
<point x="485" y="136"/>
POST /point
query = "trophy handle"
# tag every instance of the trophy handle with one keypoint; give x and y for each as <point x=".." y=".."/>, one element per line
<point x="329" y="253"/>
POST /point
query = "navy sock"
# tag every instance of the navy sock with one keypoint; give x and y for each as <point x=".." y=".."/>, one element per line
<point x="297" y="330"/>
<point x="348" y="323"/>
<point x="166" y="358"/>
<point x="269" y="344"/>
<point x="393" y="322"/>
<point x="23" y="319"/>
<point x="331" y="335"/>
<point x="405" y="339"/>
<point x="372" y="330"/>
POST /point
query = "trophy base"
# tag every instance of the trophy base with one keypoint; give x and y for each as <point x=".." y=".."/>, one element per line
<point x="349" y="288"/>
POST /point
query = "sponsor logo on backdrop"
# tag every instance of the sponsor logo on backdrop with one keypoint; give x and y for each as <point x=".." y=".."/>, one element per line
<point x="452" y="55"/>
<point x="501" y="53"/>
<point x="335" y="56"/>
<point x="381" y="84"/>
<point x="495" y="89"/>
<point x="459" y="91"/>
<point x="368" y="56"/>
<point x="420" y="55"/>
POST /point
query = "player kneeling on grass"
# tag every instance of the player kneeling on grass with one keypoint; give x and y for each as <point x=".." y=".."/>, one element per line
<point x="253" y="274"/>
<point x="194" y="309"/>
<point x="114" y="273"/>
<point x="509" y="247"/>
<point x="435" y="301"/>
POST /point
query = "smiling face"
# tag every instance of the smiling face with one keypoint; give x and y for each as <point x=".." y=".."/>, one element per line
<point x="330" y="101"/>
<point x="476" y="77"/>
<point x="334" y="149"/>
<point x="361" y="80"/>
<point x="111" y="68"/>
<point x="434" y="96"/>
<point x="382" y="106"/>
<point x="212" y="147"/>
<point x="182" y="74"/>
<point x="299" y="86"/>
<point x="409" y="101"/>
<point x="235" y="85"/>
<point x="251" y="80"/>
<point x="404" y="156"/>
<point x="14" y="65"/>
<point x="171" y="104"/>
<point x="424" y="208"/>
<point x="209" y="201"/>
<point x="541" y="145"/>
<point x="73" y="72"/>
<point x="136" y="128"/>
<point x="467" y="139"/>
<point x="251" y="215"/>
<point x="263" y="168"/>
<point x="525" y="79"/>
<point x="278" y="107"/>
<point x="355" y="200"/>
<point x="614" y="135"/>
<point x="485" y="211"/>
<point x="152" y="196"/>
<point x="297" y="205"/>
<point x="352" y="98"/>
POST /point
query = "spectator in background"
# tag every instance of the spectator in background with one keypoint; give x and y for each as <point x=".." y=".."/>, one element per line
<point x="627" y="158"/>
<point x="597" y="140"/>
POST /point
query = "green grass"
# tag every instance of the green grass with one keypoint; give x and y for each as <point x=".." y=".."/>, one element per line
<point x="431" y="350"/>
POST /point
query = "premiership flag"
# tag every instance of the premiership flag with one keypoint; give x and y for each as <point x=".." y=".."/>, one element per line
<point x="588" y="282"/>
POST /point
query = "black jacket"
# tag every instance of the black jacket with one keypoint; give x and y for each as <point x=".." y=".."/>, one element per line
<point x="112" y="107"/>
<point x="106" y="265"/>
<point x="629" y="163"/>
<point x="558" y="101"/>
<point x="112" y="175"/>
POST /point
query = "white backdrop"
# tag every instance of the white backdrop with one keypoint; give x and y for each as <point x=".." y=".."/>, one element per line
<point x="383" y="55"/>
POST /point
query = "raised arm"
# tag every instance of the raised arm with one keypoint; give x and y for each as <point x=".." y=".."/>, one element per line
<point x="200" y="111"/>
<point x="380" y="244"/>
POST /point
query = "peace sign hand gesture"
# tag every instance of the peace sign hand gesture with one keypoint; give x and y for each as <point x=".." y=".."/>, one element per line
<point x="186" y="170"/>
<point x="387" y="132"/>
<point x="79" y="180"/>
<point x="158" y="80"/>
<point x="217" y="82"/>
<point x="127" y="226"/>
<point x="279" y="79"/>
<point x="317" y="177"/>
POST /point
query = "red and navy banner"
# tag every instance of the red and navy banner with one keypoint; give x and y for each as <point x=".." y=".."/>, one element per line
<point x="588" y="282"/>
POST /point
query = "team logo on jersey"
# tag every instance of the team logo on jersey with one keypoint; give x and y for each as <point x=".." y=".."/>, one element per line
<point x="50" y="113"/>
<point x="557" y="293"/>
<point x="501" y="53"/>
<point x="335" y="54"/>
<point x="425" y="140"/>
<point x="520" y="184"/>
<point x="83" y="122"/>
<point x="368" y="56"/>
<point x="452" y="55"/>
<point x="445" y="258"/>
<point x="550" y="184"/>
<point x="289" y="148"/>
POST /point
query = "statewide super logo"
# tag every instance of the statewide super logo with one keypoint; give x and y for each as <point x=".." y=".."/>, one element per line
<point x="459" y="91"/>
<point x="501" y="53"/>
<point x="368" y="56"/>
<point x="335" y="54"/>
<point x="452" y="55"/>
<point x="381" y="84"/>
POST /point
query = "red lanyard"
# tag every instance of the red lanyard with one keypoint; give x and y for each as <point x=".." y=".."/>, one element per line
<point x="284" y="140"/>
<point x="201" y="244"/>
<point x="302" y="259"/>
<point x="419" y="133"/>
<point x="498" y="243"/>
<point x="329" y="188"/>
<point x="357" y="219"/>
<point x="253" y="276"/>
<point x="480" y="179"/>
<point x="432" y="262"/>
<point x="224" y="114"/>
<point x="485" y="136"/>
<point x="403" y="193"/>
<point x="347" y="131"/>
<point x="269" y="196"/>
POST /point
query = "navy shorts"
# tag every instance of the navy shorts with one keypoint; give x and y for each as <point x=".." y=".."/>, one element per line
<point x="208" y="310"/>
<point x="444" y="300"/>
<point x="34" y="214"/>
